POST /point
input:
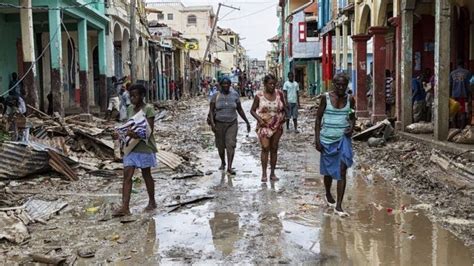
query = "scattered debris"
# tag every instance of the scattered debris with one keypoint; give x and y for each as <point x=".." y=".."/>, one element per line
<point x="12" y="227"/>
<point x="41" y="209"/>
<point x="86" y="253"/>
<point x="381" y="129"/>
<point x="188" y="175"/>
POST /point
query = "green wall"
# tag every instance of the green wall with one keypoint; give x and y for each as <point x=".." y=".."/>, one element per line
<point x="8" y="58"/>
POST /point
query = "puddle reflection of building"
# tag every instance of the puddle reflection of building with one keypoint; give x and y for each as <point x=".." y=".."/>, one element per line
<point x="271" y="229"/>
<point x="381" y="237"/>
<point x="151" y="243"/>
<point x="225" y="231"/>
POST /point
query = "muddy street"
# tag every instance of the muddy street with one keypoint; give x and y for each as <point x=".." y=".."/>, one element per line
<point x="238" y="219"/>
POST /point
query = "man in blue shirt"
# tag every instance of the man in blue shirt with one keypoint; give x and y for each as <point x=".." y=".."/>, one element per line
<point x="460" y="91"/>
<point x="418" y="98"/>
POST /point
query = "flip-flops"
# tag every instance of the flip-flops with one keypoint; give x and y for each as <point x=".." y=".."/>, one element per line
<point x="333" y="205"/>
<point x="341" y="214"/>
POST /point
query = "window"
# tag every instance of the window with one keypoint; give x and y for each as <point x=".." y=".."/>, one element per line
<point x="311" y="28"/>
<point x="170" y="16"/>
<point x="192" y="19"/>
<point x="232" y="40"/>
<point x="160" y="16"/>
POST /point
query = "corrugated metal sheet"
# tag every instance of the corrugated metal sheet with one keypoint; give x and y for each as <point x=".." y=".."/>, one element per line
<point x="20" y="159"/>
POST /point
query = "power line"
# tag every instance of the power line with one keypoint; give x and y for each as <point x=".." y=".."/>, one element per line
<point x="251" y="14"/>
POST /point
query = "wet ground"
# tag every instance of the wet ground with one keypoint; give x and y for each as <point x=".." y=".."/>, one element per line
<point x="248" y="222"/>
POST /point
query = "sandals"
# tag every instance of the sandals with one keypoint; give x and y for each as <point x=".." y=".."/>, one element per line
<point x="341" y="214"/>
<point x="333" y="205"/>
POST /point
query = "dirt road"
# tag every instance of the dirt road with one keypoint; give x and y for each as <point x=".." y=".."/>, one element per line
<point x="245" y="221"/>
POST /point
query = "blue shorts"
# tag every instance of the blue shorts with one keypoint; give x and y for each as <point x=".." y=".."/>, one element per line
<point x="292" y="110"/>
<point x="139" y="160"/>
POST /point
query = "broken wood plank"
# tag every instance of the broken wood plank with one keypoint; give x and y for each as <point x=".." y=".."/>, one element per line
<point x="61" y="166"/>
<point x="188" y="175"/>
<point x="47" y="259"/>
<point x="189" y="201"/>
<point x="37" y="192"/>
<point x="38" y="111"/>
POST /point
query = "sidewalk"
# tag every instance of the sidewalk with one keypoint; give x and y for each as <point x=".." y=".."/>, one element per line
<point x="446" y="146"/>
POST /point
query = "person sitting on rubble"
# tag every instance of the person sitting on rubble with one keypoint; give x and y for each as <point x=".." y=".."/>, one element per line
<point x="139" y="147"/>
<point x="14" y="111"/>
<point x="223" y="111"/>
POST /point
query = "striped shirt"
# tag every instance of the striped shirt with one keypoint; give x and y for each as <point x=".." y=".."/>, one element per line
<point x="335" y="121"/>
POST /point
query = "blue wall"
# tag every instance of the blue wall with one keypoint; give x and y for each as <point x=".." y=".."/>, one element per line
<point x="8" y="56"/>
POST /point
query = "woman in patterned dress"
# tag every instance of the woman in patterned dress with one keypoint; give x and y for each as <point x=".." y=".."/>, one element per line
<point x="269" y="108"/>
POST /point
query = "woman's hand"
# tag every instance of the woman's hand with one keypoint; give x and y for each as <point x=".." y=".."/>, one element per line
<point x="132" y="134"/>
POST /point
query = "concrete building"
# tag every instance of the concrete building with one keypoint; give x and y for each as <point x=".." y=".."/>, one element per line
<point x="229" y="50"/>
<point x="61" y="51"/>
<point x="409" y="36"/>
<point x="194" y="22"/>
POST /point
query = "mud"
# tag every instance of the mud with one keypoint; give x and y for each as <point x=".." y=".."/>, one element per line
<point x="246" y="222"/>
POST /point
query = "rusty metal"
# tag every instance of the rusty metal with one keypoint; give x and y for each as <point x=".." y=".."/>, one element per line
<point x="20" y="159"/>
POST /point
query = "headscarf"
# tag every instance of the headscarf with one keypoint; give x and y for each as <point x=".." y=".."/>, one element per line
<point x="224" y="79"/>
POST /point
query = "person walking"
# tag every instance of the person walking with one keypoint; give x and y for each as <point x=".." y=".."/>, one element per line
<point x="292" y="97"/>
<point x="223" y="110"/>
<point x="269" y="108"/>
<point x="335" y="121"/>
<point x="139" y="147"/>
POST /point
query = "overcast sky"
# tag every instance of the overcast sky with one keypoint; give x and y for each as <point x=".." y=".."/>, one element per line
<point x="255" y="22"/>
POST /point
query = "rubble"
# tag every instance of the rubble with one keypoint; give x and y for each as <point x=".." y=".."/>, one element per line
<point x="420" y="128"/>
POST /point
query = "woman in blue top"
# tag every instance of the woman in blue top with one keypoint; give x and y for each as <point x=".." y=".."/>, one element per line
<point x="333" y="130"/>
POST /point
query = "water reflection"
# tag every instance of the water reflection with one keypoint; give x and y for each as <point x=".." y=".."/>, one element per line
<point x="225" y="231"/>
<point x="379" y="236"/>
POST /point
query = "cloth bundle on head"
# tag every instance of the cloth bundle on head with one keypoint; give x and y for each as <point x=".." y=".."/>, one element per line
<point x="138" y="124"/>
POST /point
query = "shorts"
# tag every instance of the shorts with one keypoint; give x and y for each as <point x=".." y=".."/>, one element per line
<point x="114" y="103"/>
<point x="292" y="111"/>
<point x="226" y="135"/>
<point x="139" y="160"/>
<point x="463" y="104"/>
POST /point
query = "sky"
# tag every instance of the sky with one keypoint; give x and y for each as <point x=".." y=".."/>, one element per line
<point x="255" y="22"/>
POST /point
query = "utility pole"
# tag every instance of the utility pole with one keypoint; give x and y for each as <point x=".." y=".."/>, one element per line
<point x="212" y="34"/>
<point x="133" y="41"/>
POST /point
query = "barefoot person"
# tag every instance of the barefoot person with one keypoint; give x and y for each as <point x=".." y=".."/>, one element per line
<point x="269" y="109"/>
<point x="334" y="123"/>
<point x="223" y="111"/>
<point x="139" y="147"/>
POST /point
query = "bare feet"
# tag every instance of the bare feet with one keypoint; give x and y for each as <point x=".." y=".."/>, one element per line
<point x="222" y="167"/>
<point x="273" y="177"/>
<point x="231" y="171"/>
<point x="264" y="178"/>
<point x="121" y="212"/>
<point x="150" y="207"/>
